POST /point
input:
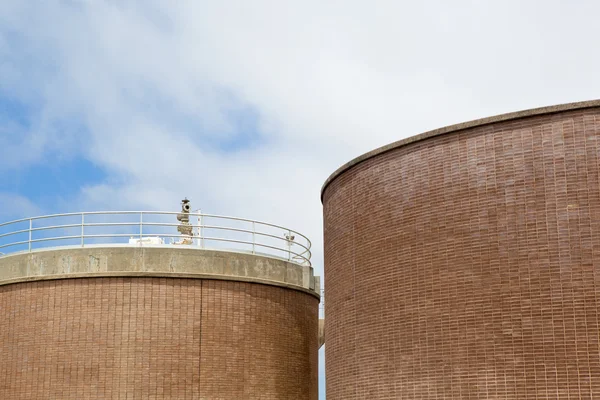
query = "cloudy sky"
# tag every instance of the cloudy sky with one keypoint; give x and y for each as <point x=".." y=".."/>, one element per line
<point x="246" y="107"/>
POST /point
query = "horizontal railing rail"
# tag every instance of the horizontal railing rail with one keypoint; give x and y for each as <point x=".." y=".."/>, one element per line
<point x="150" y="228"/>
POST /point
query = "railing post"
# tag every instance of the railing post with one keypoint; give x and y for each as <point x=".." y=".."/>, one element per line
<point x="289" y="243"/>
<point x="200" y="230"/>
<point x="82" y="226"/>
<point x="141" y="225"/>
<point x="253" y="237"/>
<point x="197" y="238"/>
<point x="30" y="227"/>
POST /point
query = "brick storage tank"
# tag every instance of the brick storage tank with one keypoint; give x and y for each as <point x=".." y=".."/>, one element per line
<point x="464" y="263"/>
<point x="160" y="321"/>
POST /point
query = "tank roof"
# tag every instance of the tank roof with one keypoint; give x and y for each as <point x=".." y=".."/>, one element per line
<point x="458" y="127"/>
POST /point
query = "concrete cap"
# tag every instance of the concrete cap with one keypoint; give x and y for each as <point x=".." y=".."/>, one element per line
<point x="136" y="261"/>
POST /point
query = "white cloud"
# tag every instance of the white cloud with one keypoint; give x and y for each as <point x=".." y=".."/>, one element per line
<point x="13" y="206"/>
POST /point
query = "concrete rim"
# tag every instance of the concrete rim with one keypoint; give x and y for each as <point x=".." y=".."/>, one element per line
<point x="168" y="275"/>
<point x="458" y="127"/>
<point x="141" y="262"/>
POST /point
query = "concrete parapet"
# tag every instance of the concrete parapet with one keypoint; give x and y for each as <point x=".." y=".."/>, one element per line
<point x="181" y="262"/>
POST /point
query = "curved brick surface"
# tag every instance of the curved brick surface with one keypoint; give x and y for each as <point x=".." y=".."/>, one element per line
<point x="467" y="265"/>
<point x="156" y="338"/>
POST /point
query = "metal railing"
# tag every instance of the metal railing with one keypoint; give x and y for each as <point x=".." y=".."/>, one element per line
<point x="153" y="228"/>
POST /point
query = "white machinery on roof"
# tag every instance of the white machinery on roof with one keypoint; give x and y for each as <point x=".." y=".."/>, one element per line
<point x="147" y="240"/>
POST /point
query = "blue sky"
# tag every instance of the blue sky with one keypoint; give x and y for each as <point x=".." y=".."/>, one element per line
<point x="52" y="177"/>
<point x="52" y="181"/>
<point x="247" y="107"/>
<point x="46" y="179"/>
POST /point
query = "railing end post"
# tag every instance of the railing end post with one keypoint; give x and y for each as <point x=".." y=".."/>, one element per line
<point x="253" y="237"/>
<point x="30" y="228"/>
<point x="141" y="226"/>
<point x="82" y="229"/>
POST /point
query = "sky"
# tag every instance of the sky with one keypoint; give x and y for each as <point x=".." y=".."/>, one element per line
<point x="246" y="107"/>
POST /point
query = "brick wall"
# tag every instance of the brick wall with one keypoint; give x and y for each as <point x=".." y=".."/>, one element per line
<point x="467" y="266"/>
<point x="156" y="338"/>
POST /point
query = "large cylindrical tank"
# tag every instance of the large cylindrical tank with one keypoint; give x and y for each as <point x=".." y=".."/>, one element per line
<point x="464" y="263"/>
<point x="156" y="323"/>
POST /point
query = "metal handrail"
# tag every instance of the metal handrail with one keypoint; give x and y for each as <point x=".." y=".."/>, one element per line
<point x="256" y="231"/>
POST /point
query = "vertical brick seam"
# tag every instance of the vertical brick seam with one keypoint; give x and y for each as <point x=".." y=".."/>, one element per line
<point x="157" y="338"/>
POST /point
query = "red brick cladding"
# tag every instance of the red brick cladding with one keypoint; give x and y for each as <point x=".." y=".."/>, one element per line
<point x="467" y="266"/>
<point x="156" y="338"/>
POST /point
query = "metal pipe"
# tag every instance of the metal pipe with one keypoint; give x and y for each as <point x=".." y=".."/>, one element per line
<point x="201" y="230"/>
<point x="50" y="227"/>
<point x="141" y="225"/>
<point x="14" y="244"/>
<point x="82" y="227"/>
<point x="205" y="215"/>
<point x="30" y="226"/>
<point x="15" y="232"/>
<point x="55" y="238"/>
<point x="155" y="213"/>
<point x="253" y="237"/>
<point x="289" y="238"/>
<point x="303" y="256"/>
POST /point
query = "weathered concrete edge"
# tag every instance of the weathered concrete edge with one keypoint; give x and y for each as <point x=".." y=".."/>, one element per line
<point x="131" y="274"/>
<point x="458" y="127"/>
<point x="321" y="332"/>
<point x="133" y="261"/>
